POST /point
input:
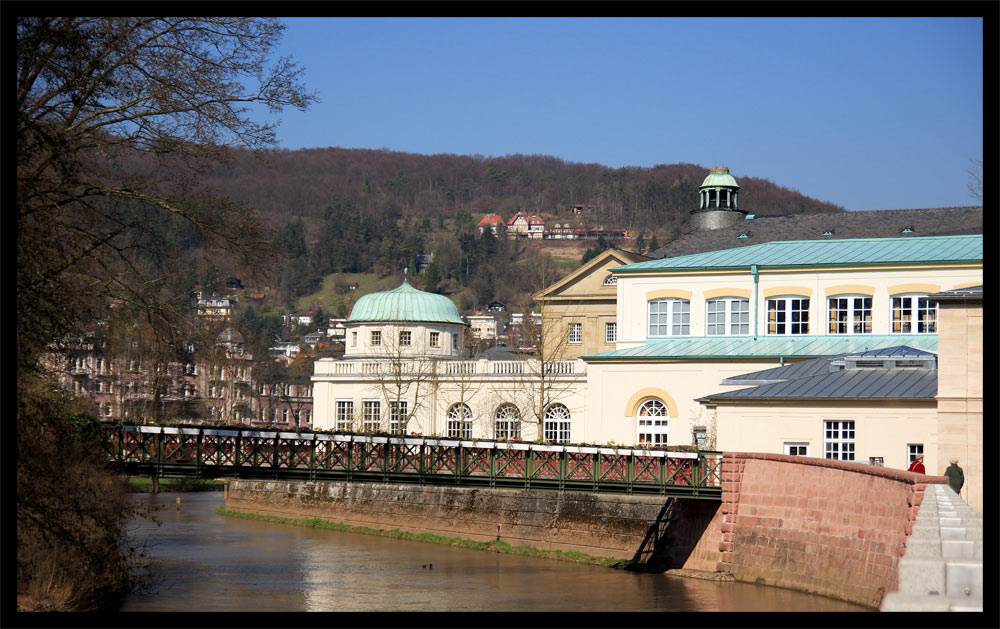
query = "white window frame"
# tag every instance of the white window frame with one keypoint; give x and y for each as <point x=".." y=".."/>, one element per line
<point x="801" y="448"/>
<point x="371" y="417"/>
<point x="611" y="332"/>
<point x="405" y="338"/>
<point x="668" y="317"/>
<point x="435" y="339"/>
<point x="913" y="450"/>
<point x="785" y="312"/>
<point x="354" y="338"/>
<point x="735" y="315"/>
<point x="652" y="422"/>
<point x="575" y="336"/>
<point x="376" y="338"/>
<point x="838" y="439"/>
<point x="557" y="423"/>
<point x="854" y="321"/>
<point x="460" y="421"/>
<point x="345" y="415"/>
<point x="507" y="422"/>
<point x="397" y="416"/>
<point x="611" y="280"/>
<point x="918" y="312"/>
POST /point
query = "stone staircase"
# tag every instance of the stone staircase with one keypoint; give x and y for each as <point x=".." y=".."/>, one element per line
<point x="942" y="569"/>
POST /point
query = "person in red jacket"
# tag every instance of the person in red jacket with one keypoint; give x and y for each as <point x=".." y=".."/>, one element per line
<point x="917" y="465"/>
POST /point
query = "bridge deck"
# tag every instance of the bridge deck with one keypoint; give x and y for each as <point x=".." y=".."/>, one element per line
<point x="200" y="452"/>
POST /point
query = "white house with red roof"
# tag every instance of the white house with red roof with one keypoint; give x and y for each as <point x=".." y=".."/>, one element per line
<point x="522" y="226"/>
<point x="492" y="222"/>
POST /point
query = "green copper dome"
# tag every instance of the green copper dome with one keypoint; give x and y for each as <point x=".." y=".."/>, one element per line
<point x="405" y="303"/>
<point x="719" y="176"/>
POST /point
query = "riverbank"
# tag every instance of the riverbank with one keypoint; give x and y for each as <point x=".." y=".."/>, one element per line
<point x="458" y="542"/>
<point x="144" y="484"/>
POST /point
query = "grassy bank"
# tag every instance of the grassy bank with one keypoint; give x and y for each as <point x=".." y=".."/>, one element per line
<point x="141" y="484"/>
<point x="493" y="546"/>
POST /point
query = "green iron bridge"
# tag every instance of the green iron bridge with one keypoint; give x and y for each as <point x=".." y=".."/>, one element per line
<point x="208" y="453"/>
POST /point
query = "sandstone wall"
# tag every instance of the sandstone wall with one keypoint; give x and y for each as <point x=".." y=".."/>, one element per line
<point x="833" y="528"/>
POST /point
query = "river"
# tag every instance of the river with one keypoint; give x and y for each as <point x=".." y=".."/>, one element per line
<point x="206" y="562"/>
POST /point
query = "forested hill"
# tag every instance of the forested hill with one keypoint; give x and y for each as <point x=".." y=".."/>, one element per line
<point x="303" y="183"/>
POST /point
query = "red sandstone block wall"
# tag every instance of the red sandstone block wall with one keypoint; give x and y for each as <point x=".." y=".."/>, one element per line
<point x="826" y="527"/>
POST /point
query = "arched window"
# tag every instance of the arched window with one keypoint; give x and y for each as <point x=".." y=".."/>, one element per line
<point x="460" y="421"/>
<point x="556" y="425"/>
<point x="611" y="280"/>
<point x="507" y="422"/>
<point x="651" y="428"/>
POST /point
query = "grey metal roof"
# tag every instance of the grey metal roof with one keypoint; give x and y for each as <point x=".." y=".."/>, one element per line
<point x="861" y="384"/>
<point x="972" y="292"/>
<point x="820" y="365"/>
<point x="862" y="224"/>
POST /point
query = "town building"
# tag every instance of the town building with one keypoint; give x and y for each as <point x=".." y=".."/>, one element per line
<point x="689" y="331"/>
<point x="523" y="226"/>
<point x="492" y="222"/>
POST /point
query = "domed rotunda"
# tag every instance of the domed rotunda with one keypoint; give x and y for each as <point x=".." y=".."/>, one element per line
<point x="404" y="321"/>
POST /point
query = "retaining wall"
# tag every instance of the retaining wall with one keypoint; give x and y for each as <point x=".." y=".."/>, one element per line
<point x="603" y="525"/>
<point x="834" y="528"/>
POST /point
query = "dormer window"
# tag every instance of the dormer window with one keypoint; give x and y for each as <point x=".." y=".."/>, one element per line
<point x="744" y="235"/>
<point x="906" y="230"/>
<point x="828" y="232"/>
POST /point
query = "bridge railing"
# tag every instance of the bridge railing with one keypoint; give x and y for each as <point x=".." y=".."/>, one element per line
<point x="203" y="452"/>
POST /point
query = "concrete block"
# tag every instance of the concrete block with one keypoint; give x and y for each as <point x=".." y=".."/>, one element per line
<point x="972" y="605"/>
<point x="920" y="576"/>
<point x="957" y="548"/>
<point x="953" y="521"/>
<point x="964" y="579"/>
<point x="923" y="547"/>
<point x="896" y="602"/>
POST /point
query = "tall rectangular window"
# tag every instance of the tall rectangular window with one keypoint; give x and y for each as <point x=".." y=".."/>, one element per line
<point x="397" y="417"/>
<point x="838" y="440"/>
<point x="354" y="339"/>
<point x="669" y="317"/>
<point x="611" y="332"/>
<point x="788" y="315"/>
<point x="376" y="337"/>
<point x="435" y="339"/>
<point x="576" y="333"/>
<point x="914" y="314"/>
<point x="850" y="315"/>
<point x="345" y="415"/>
<point x="371" y="420"/>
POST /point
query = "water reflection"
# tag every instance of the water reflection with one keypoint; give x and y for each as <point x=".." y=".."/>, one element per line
<point x="207" y="562"/>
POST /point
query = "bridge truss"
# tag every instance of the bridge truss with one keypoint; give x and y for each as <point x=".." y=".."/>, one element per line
<point x="200" y="452"/>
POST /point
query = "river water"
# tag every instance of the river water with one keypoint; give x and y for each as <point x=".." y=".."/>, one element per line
<point x="206" y="562"/>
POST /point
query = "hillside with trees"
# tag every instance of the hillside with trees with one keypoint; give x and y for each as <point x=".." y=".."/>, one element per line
<point x="374" y="211"/>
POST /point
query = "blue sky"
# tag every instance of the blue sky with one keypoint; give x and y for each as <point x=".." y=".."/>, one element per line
<point x="865" y="113"/>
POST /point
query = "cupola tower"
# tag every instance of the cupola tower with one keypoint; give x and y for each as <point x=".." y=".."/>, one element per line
<point x="718" y="199"/>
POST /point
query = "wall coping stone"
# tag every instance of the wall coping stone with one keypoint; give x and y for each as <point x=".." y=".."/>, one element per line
<point x="852" y="466"/>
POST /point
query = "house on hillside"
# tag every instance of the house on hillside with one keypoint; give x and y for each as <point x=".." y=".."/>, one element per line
<point x="493" y="222"/>
<point x="523" y="226"/>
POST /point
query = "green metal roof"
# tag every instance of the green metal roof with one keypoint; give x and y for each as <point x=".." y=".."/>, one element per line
<point x="697" y="347"/>
<point x="798" y="253"/>
<point x="719" y="176"/>
<point x="405" y="303"/>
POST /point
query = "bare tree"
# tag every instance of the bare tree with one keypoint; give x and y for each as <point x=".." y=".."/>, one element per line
<point x="976" y="179"/>
<point x="403" y="377"/>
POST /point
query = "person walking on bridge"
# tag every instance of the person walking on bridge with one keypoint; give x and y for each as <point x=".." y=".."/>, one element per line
<point x="917" y="465"/>
<point x="956" y="477"/>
